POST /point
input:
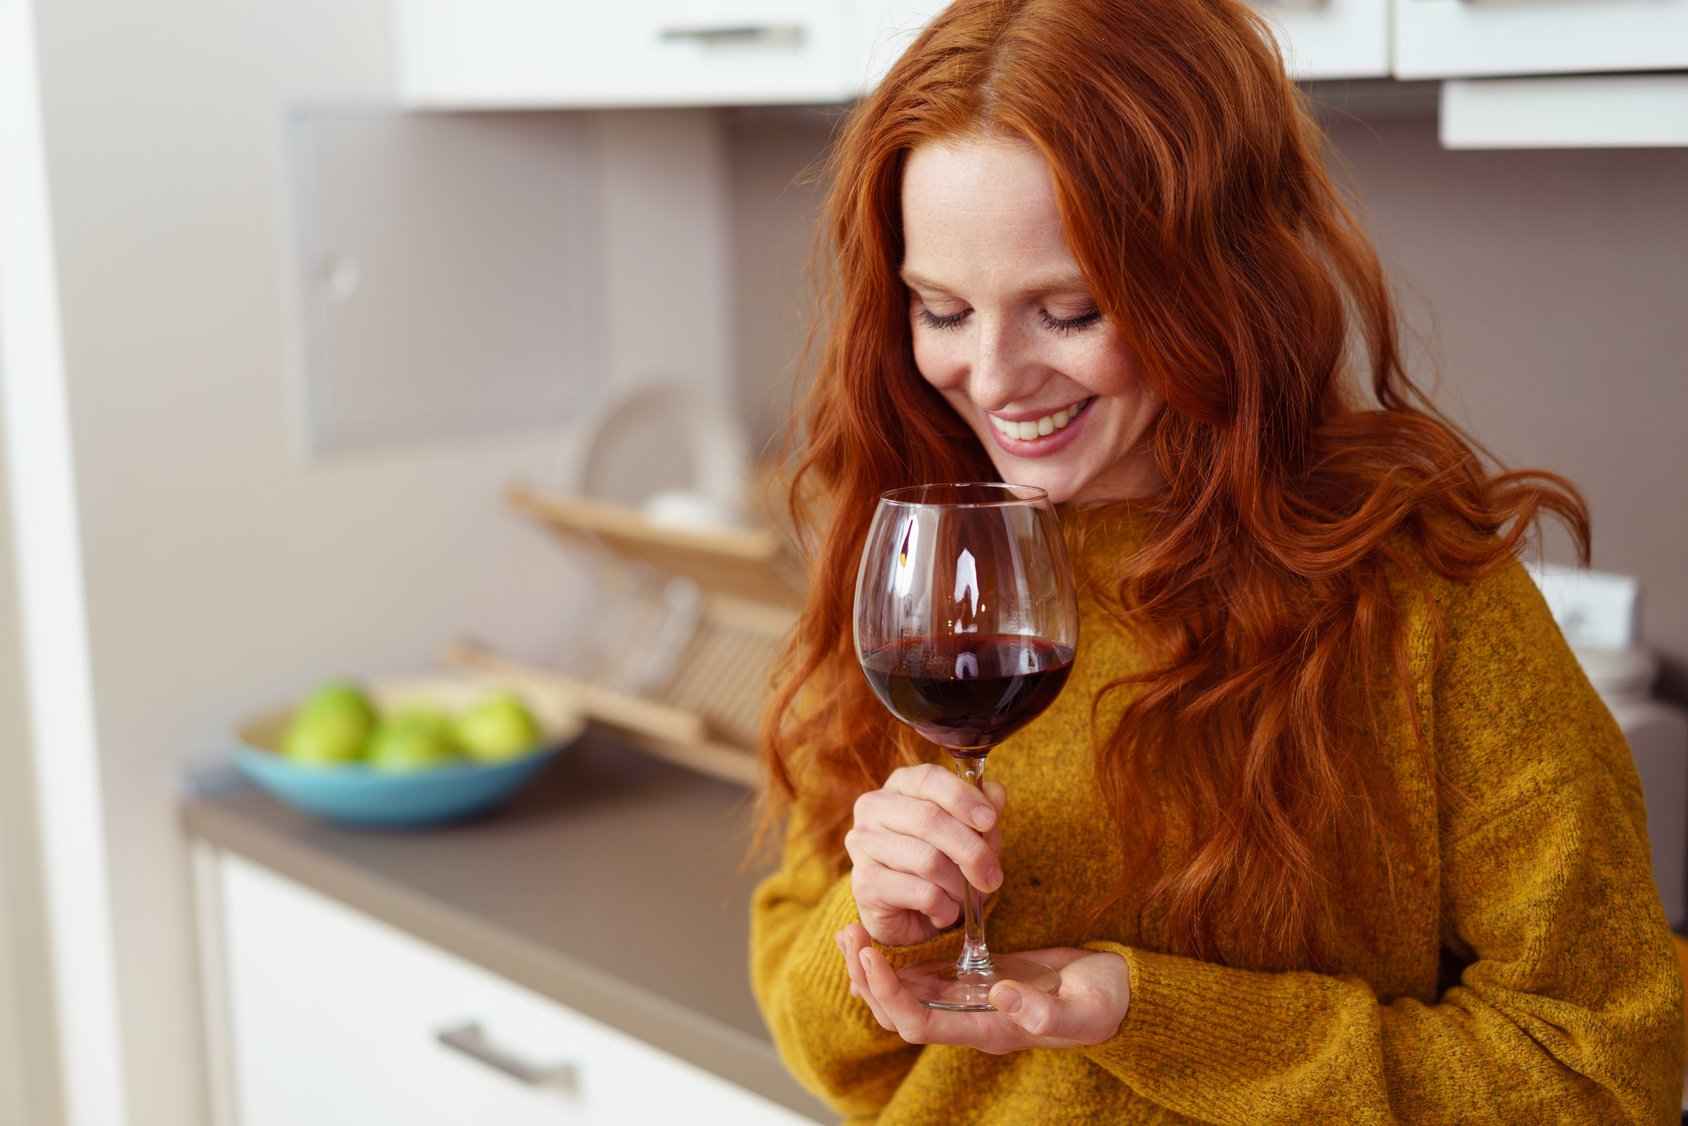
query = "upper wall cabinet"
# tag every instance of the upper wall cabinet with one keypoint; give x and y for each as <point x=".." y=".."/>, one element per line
<point x="493" y="54"/>
<point x="478" y="54"/>
<point x="1331" y="38"/>
<point x="1473" y="38"/>
<point x="1319" y="38"/>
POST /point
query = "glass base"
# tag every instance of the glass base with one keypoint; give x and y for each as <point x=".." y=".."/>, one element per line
<point x="941" y="985"/>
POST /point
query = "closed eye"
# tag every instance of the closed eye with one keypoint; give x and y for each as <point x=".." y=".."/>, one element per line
<point x="929" y="319"/>
<point x="1065" y="325"/>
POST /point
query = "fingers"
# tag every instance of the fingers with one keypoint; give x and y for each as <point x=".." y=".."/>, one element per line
<point x="1087" y="1009"/>
<point x="943" y="788"/>
<point x="895" y="1007"/>
<point x="1037" y="1013"/>
<point x="882" y="888"/>
<point x="852" y="940"/>
<point x="914" y="846"/>
<point x="930" y="844"/>
<point x="924" y="838"/>
<point x="899" y="1010"/>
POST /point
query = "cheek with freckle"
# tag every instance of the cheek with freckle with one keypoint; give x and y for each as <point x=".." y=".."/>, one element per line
<point x="932" y="369"/>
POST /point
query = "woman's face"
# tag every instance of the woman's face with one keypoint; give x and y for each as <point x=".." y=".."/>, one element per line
<point x="1005" y="328"/>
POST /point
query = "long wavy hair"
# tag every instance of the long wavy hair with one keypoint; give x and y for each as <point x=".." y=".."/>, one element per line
<point x="1302" y="467"/>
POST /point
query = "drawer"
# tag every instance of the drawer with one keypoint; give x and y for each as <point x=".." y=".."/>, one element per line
<point x="337" y="1019"/>
<point x="463" y="54"/>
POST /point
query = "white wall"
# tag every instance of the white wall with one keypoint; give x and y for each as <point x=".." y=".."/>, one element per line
<point x="223" y="569"/>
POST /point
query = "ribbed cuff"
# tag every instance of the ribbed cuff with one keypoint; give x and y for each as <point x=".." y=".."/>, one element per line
<point x="1212" y="1041"/>
<point x="1176" y="1024"/>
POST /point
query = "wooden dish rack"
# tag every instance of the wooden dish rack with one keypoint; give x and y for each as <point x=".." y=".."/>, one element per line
<point x="690" y="624"/>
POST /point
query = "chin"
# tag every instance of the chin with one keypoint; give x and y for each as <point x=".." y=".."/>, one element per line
<point x="1060" y="489"/>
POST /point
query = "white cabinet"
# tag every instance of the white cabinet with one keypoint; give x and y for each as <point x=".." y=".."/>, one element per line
<point x="335" y="1019"/>
<point x="1577" y="111"/>
<point x="481" y="54"/>
<point x="882" y="30"/>
<point x="469" y="54"/>
<point x="1470" y="38"/>
<point x="1319" y="38"/>
<point x="1331" y="38"/>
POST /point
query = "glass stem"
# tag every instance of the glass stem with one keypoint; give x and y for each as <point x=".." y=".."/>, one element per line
<point x="975" y="955"/>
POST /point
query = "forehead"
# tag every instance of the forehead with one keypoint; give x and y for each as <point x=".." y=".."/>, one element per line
<point x="987" y="196"/>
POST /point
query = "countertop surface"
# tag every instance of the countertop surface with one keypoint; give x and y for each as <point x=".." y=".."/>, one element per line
<point x="614" y="883"/>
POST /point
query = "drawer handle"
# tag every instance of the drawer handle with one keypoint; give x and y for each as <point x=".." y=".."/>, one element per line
<point x="768" y="35"/>
<point x="471" y="1040"/>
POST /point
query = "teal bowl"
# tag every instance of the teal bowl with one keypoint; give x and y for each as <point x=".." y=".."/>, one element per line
<point x="356" y="794"/>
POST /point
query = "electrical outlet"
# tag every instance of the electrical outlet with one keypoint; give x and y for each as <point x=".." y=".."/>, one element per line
<point x="1594" y="609"/>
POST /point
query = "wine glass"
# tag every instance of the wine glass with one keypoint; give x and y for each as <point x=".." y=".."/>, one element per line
<point x="966" y="622"/>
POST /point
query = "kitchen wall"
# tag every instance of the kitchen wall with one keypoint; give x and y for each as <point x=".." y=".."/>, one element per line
<point x="1544" y="292"/>
<point x="1549" y="287"/>
<point x="225" y="568"/>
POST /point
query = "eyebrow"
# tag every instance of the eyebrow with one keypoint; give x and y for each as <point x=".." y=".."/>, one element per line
<point x="1058" y="283"/>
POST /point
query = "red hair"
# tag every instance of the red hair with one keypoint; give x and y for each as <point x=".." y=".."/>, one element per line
<point x="1302" y="466"/>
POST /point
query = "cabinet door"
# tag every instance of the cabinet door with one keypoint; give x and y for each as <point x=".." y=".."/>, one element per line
<point x="1472" y="38"/>
<point x="881" y="31"/>
<point x="466" y="54"/>
<point x="1319" y="38"/>
<point x="339" y="1020"/>
<point x="1331" y="38"/>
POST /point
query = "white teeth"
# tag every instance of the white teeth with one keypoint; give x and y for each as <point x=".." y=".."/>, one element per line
<point x="1037" y="427"/>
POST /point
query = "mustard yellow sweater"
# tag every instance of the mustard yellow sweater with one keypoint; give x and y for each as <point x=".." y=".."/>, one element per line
<point x="1521" y="971"/>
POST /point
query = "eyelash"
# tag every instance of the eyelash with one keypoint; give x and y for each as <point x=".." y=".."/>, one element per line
<point x="1061" y="326"/>
<point x="1068" y="325"/>
<point x="929" y="319"/>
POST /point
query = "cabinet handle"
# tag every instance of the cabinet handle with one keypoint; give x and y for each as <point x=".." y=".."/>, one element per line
<point x="471" y="1040"/>
<point x="743" y="35"/>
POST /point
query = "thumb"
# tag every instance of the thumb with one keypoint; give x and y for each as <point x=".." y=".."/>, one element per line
<point x="1037" y="1012"/>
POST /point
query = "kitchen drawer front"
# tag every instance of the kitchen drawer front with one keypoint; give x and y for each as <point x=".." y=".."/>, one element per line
<point x="1331" y="38"/>
<point x="467" y="54"/>
<point x="337" y="1019"/>
<point x="1474" y="38"/>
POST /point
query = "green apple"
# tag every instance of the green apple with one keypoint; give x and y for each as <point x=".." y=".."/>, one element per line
<point x="331" y="726"/>
<point x="416" y="739"/>
<point x="497" y="729"/>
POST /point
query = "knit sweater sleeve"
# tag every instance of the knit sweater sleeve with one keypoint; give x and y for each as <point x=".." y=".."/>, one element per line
<point x="1568" y="1007"/>
<point x="827" y="1038"/>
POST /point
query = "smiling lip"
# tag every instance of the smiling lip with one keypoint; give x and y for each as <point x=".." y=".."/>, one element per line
<point x="1045" y="444"/>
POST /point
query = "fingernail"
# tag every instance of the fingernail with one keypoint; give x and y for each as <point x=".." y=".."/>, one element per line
<point x="1008" y="1000"/>
<point x="993" y="878"/>
<point x="983" y="816"/>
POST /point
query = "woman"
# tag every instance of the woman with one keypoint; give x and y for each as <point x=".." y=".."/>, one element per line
<point x="1327" y="825"/>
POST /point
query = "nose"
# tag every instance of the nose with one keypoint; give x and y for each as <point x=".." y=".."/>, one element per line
<point x="1003" y="365"/>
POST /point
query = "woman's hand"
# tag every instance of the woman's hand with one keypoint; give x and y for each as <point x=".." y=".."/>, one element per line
<point x="1088" y="1008"/>
<point x="915" y="841"/>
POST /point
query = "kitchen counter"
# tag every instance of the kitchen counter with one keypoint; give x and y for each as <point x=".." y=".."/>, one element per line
<point x="613" y="884"/>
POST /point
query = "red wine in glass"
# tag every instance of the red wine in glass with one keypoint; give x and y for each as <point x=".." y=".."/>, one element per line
<point x="966" y="622"/>
<point x="968" y="692"/>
